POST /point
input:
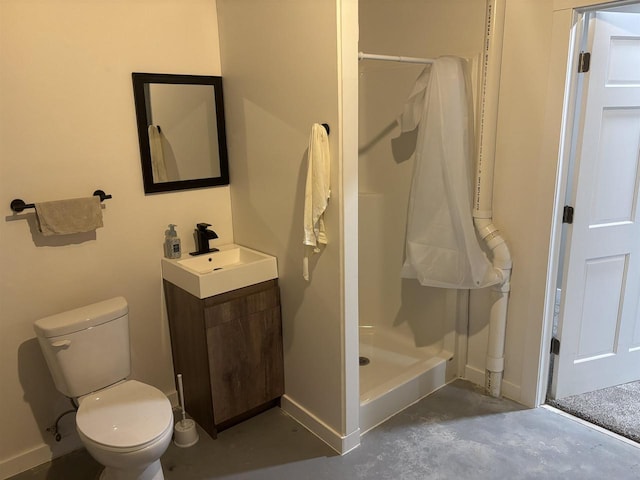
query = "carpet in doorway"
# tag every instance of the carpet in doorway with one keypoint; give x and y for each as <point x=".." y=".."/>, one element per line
<point x="616" y="408"/>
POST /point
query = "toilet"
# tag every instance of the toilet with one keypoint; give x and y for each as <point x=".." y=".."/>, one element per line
<point x="124" y="424"/>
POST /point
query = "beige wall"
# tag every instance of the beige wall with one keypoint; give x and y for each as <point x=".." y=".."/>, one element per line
<point x="524" y="185"/>
<point x="280" y="65"/>
<point x="67" y="127"/>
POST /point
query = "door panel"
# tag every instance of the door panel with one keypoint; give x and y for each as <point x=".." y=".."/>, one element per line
<point x="598" y="326"/>
<point x="601" y="307"/>
<point x="614" y="196"/>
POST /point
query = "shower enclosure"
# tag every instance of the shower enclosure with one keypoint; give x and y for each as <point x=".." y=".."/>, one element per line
<point x="409" y="334"/>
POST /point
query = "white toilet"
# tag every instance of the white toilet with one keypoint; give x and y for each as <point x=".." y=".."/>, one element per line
<point x="124" y="424"/>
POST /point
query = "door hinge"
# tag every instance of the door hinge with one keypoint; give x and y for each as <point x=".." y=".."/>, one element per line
<point x="584" y="60"/>
<point x="555" y="346"/>
<point x="567" y="214"/>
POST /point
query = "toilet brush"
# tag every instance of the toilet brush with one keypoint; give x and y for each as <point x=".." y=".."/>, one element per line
<point x="185" y="432"/>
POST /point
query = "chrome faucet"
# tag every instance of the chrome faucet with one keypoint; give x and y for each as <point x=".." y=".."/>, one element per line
<point x="202" y="235"/>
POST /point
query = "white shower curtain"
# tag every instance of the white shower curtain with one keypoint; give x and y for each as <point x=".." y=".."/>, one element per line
<point x="442" y="249"/>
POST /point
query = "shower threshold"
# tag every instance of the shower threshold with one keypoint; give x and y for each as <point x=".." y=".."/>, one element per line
<point x="398" y="375"/>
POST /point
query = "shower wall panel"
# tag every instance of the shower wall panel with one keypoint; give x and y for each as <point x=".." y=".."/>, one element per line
<point x="421" y="28"/>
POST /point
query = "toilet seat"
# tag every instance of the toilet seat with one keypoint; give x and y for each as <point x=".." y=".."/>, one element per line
<point x="127" y="416"/>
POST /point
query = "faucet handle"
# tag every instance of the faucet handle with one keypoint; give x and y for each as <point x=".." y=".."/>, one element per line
<point x="203" y="226"/>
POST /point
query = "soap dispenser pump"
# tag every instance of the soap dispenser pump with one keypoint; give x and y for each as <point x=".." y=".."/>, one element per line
<point x="172" y="248"/>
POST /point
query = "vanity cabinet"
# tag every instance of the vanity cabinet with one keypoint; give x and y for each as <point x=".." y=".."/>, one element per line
<point x="228" y="349"/>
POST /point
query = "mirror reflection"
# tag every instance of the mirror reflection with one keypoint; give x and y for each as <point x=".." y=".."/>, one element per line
<point x="181" y="131"/>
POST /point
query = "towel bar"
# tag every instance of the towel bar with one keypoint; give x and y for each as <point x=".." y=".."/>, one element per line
<point x="19" y="205"/>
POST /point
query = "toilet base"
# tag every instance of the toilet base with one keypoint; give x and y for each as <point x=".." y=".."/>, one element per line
<point x="152" y="472"/>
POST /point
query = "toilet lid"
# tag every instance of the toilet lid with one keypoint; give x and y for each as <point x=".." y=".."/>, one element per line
<point x="126" y="415"/>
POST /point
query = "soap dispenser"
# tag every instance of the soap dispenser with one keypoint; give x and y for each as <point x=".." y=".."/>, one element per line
<point x="172" y="247"/>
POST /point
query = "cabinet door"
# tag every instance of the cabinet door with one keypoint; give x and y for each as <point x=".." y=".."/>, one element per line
<point x="246" y="363"/>
<point x="244" y="340"/>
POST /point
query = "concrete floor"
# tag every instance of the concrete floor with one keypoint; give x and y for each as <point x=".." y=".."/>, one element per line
<point x="455" y="433"/>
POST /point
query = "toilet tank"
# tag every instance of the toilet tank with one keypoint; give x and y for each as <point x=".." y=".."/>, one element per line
<point x="87" y="349"/>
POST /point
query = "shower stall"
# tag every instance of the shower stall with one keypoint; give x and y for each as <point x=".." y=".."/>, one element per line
<point x="412" y="338"/>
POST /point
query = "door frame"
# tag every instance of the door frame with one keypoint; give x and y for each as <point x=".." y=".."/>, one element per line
<point x="562" y="109"/>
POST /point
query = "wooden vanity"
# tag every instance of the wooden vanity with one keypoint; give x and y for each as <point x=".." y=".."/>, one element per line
<point x="228" y="349"/>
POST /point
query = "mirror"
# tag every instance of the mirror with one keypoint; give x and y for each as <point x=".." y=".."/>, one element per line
<point x="181" y="131"/>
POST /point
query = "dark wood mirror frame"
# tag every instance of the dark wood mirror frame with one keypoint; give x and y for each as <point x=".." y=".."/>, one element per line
<point x="140" y="85"/>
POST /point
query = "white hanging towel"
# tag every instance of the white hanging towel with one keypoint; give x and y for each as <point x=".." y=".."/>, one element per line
<point x="158" y="164"/>
<point x="317" y="192"/>
<point x="442" y="249"/>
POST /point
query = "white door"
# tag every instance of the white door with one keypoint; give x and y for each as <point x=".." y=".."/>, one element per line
<point x="599" y="326"/>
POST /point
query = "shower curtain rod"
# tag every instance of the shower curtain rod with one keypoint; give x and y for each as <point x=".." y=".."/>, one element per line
<point x="393" y="58"/>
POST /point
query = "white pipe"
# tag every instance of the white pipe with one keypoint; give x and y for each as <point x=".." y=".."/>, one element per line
<point x="483" y="194"/>
<point x="490" y="91"/>
<point x="393" y="58"/>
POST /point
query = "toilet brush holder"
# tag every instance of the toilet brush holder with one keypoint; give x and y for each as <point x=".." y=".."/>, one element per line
<point x="185" y="433"/>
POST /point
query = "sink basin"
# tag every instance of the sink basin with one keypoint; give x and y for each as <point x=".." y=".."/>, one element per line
<point x="211" y="274"/>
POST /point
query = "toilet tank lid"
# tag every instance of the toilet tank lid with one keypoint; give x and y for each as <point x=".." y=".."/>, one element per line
<point x="81" y="318"/>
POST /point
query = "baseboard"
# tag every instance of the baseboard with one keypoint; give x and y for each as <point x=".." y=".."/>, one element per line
<point x="37" y="456"/>
<point x="341" y="444"/>
<point x="477" y="376"/>
<point x="44" y="453"/>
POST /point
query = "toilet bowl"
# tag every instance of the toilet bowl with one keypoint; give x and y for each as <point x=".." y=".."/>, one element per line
<point x="126" y="427"/>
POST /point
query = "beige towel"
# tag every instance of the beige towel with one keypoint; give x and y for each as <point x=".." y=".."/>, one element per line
<point x="317" y="191"/>
<point x="64" y="217"/>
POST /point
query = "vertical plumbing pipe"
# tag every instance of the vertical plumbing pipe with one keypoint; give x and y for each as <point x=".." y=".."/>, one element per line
<point x="483" y="193"/>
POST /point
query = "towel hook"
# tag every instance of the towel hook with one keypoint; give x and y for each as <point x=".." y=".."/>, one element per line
<point x="326" y="127"/>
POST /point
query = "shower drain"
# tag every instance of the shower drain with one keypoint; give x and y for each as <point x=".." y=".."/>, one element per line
<point x="364" y="361"/>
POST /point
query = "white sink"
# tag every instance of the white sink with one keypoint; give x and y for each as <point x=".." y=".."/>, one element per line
<point x="231" y="268"/>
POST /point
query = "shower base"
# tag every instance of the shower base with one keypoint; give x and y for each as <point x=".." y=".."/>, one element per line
<point x="398" y="374"/>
